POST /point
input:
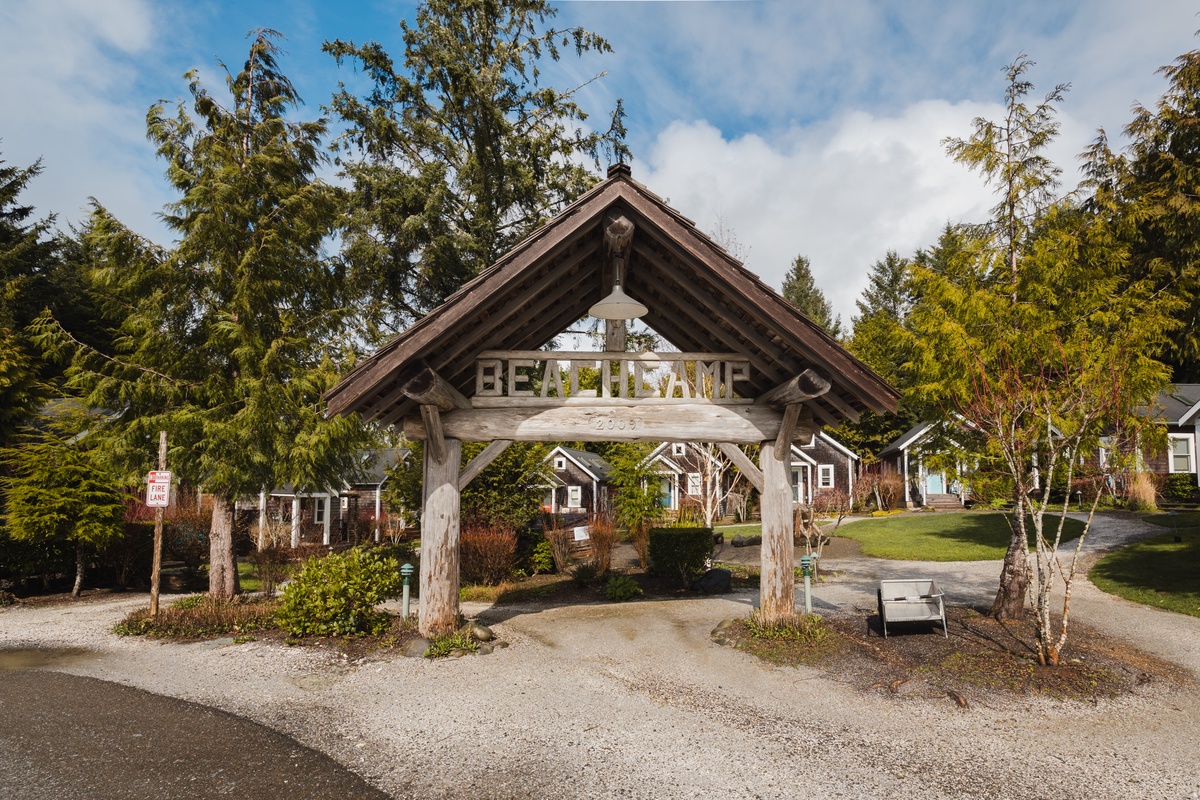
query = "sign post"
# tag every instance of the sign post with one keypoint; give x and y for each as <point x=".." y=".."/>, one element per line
<point x="158" y="497"/>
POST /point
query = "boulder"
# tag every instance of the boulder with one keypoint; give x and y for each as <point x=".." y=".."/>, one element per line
<point x="480" y="632"/>
<point x="415" y="648"/>
<point x="715" y="581"/>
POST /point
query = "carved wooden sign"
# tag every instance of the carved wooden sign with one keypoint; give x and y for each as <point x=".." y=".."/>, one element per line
<point x="551" y="378"/>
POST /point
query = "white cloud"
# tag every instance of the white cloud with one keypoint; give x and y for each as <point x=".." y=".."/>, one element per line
<point x="842" y="194"/>
<point x="69" y="66"/>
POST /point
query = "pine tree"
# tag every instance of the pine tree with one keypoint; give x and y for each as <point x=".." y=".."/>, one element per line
<point x="801" y="291"/>
<point x="1152" y="186"/>
<point x="228" y="339"/>
<point x="59" y="489"/>
<point x="459" y="152"/>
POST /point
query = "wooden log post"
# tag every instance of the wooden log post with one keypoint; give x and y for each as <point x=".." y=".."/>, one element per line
<point x="777" y="582"/>
<point x="438" y="611"/>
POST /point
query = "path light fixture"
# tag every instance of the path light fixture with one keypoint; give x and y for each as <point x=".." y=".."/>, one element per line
<point x="618" y="305"/>
<point x="406" y="572"/>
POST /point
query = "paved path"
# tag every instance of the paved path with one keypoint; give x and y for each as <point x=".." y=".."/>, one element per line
<point x="65" y="736"/>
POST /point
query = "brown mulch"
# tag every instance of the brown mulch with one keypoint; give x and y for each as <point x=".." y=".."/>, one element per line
<point x="982" y="660"/>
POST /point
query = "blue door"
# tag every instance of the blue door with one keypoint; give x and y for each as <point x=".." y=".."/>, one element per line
<point x="935" y="483"/>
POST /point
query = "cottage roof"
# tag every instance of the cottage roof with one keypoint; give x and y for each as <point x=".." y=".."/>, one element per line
<point x="906" y="439"/>
<point x="1180" y="404"/>
<point x="700" y="299"/>
<point x="591" y="463"/>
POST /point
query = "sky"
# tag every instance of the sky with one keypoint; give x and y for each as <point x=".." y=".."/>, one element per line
<point x="795" y="127"/>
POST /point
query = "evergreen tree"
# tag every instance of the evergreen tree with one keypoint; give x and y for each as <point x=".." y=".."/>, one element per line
<point x="888" y="290"/>
<point x="459" y="152"/>
<point x="224" y="340"/>
<point x="1030" y="332"/>
<point x="26" y="254"/>
<point x="1152" y="186"/>
<point x="59" y="488"/>
<point x="801" y="291"/>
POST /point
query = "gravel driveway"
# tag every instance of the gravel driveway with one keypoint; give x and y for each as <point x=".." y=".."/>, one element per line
<point x="634" y="700"/>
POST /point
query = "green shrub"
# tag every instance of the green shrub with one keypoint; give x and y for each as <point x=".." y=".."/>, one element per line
<point x="541" y="557"/>
<point x="1179" y="486"/>
<point x="337" y="594"/>
<point x="621" y="588"/>
<point x="584" y="573"/>
<point x="444" y="645"/>
<point x="7" y="598"/>
<point x="806" y="629"/>
<point x="680" y="553"/>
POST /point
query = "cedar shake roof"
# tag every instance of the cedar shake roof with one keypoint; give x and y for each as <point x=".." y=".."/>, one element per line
<point x="700" y="299"/>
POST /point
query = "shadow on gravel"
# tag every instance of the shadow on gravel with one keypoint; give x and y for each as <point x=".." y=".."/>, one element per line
<point x="67" y="736"/>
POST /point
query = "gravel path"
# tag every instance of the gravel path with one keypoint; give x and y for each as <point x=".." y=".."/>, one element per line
<point x="634" y="700"/>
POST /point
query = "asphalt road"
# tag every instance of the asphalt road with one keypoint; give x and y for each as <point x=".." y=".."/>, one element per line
<point x="64" y="737"/>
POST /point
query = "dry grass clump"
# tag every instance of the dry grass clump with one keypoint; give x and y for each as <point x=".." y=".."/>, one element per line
<point x="1141" y="494"/>
<point x="198" y="616"/>
<point x="603" y="534"/>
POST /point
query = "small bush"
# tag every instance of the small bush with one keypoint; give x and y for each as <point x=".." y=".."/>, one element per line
<point x="7" y="598"/>
<point x="487" y="554"/>
<point x="185" y="534"/>
<point x="1179" y="486"/>
<point x="198" y="616"/>
<point x="584" y="574"/>
<point x="680" y="553"/>
<point x="337" y="594"/>
<point x="541" y="558"/>
<point x="603" y="533"/>
<point x="272" y="565"/>
<point x="621" y="588"/>
<point x="444" y="645"/>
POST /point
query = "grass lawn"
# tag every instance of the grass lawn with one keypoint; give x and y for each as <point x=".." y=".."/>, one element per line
<point x="1182" y="519"/>
<point x="967" y="536"/>
<point x="1158" y="572"/>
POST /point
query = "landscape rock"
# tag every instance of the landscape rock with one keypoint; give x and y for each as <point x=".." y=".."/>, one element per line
<point x="481" y="633"/>
<point x="715" y="581"/>
<point x="415" y="648"/>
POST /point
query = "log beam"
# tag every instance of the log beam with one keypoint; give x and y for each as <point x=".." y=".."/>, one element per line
<point x="743" y="463"/>
<point x="808" y="385"/>
<point x="429" y="388"/>
<point x="480" y="462"/>
<point x="632" y="422"/>
<point x="777" y="582"/>
<point x="438" y="611"/>
<point x="797" y="425"/>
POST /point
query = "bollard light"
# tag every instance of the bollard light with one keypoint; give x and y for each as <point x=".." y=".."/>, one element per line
<point x="406" y="572"/>
<point x="806" y="568"/>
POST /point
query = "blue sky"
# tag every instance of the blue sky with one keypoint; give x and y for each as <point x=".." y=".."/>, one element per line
<point x="801" y="127"/>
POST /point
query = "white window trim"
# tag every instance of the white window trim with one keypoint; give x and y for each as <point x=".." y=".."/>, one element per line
<point x="574" y="497"/>
<point x="560" y="463"/>
<point x="678" y="449"/>
<point x="825" y="479"/>
<point x="695" y="486"/>
<point x="1191" y="444"/>
<point x="320" y="510"/>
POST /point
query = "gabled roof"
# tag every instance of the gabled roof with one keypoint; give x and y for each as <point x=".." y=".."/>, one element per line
<point x="1181" y="404"/>
<point x="591" y="463"/>
<point x="907" y="438"/>
<point x="700" y="299"/>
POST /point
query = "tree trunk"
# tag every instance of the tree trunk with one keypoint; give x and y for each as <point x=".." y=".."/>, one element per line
<point x="777" y="579"/>
<point x="438" y="612"/>
<point x="222" y="565"/>
<point x="1014" y="577"/>
<point x="80" y="567"/>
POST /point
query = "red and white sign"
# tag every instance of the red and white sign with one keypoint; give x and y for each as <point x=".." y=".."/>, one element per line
<point x="158" y="489"/>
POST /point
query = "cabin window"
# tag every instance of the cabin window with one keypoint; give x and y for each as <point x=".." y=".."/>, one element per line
<point x="825" y="476"/>
<point x="548" y="500"/>
<point x="796" y="487"/>
<point x="1181" y="453"/>
<point x="560" y="463"/>
<point x="319" y="509"/>
<point x="678" y="449"/>
<point x="694" y="483"/>
<point x="574" y="497"/>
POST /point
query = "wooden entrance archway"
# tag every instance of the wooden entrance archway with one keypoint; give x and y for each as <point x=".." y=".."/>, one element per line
<point x="750" y="369"/>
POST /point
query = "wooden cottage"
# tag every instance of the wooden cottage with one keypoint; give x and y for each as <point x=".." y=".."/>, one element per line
<point x="822" y="467"/>
<point x="749" y="369"/>
<point x="580" y="483"/>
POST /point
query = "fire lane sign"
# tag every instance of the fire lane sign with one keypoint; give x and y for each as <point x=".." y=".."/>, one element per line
<point x="158" y="489"/>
